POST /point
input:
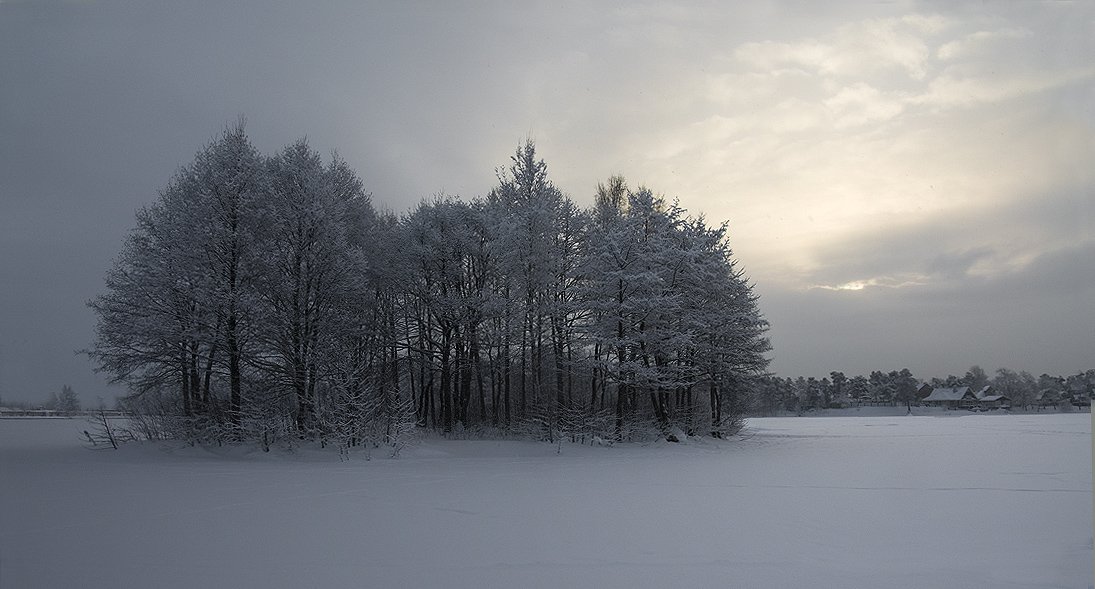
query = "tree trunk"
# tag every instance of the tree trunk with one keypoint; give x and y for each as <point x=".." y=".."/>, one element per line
<point x="208" y="376"/>
<point x="184" y="378"/>
<point x="557" y="344"/>
<point x="446" y="379"/>
<point x="234" y="378"/>
<point x="716" y="411"/>
<point x="477" y="365"/>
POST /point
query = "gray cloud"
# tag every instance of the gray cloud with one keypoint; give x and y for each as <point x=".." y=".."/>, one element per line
<point x="1036" y="319"/>
<point x="958" y="264"/>
<point x="990" y="240"/>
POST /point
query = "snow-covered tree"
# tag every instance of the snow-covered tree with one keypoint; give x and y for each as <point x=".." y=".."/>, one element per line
<point x="68" y="402"/>
<point x="668" y="306"/>
<point x="229" y="187"/>
<point x="976" y="378"/>
<point x="1019" y="387"/>
<point x="306" y="276"/>
<point x="905" y="387"/>
<point x="157" y="328"/>
<point x="531" y="213"/>
<point x="178" y="305"/>
<point x="445" y="246"/>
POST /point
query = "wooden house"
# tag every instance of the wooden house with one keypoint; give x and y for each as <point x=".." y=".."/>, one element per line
<point x="951" y="398"/>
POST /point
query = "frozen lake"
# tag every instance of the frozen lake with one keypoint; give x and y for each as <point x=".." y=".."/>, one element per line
<point x="970" y="501"/>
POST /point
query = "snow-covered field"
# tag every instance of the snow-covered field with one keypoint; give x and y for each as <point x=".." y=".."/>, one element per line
<point x="971" y="501"/>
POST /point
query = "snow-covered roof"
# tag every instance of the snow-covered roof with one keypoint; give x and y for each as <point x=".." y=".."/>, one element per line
<point x="984" y="392"/>
<point x="992" y="398"/>
<point x="948" y="394"/>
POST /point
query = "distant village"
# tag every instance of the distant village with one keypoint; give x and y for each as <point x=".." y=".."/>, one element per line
<point x="987" y="399"/>
<point x="1007" y="390"/>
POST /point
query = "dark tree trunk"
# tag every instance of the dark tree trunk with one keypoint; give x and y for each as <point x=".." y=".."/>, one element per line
<point x="558" y="348"/>
<point x="506" y="377"/>
<point x="234" y="378"/>
<point x="184" y="382"/>
<point x="446" y="379"/>
<point x="593" y="390"/>
<point x="208" y="376"/>
<point x="716" y="411"/>
<point x="477" y="365"/>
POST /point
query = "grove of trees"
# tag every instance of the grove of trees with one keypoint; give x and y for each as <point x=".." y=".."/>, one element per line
<point x="264" y="298"/>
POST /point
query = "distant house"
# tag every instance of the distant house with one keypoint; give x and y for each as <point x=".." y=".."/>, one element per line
<point x="923" y="392"/>
<point x="988" y="399"/>
<point x="951" y="398"/>
<point x="994" y="402"/>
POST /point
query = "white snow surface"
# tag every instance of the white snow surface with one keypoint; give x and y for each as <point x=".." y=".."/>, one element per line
<point x="911" y="501"/>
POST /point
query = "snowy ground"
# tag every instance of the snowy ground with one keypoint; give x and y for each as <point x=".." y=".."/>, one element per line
<point x="971" y="501"/>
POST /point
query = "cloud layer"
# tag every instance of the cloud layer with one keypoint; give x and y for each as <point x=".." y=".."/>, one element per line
<point x="886" y="169"/>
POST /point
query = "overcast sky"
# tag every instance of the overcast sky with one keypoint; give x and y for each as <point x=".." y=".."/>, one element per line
<point x="909" y="184"/>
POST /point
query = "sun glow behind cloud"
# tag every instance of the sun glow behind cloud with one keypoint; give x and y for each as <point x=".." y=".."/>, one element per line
<point x="887" y="122"/>
<point x="876" y="282"/>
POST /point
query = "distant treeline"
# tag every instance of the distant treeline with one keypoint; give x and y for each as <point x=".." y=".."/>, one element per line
<point x="67" y="402"/>
<point x="769" y="393"/>
<point x="264" y="298"/>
